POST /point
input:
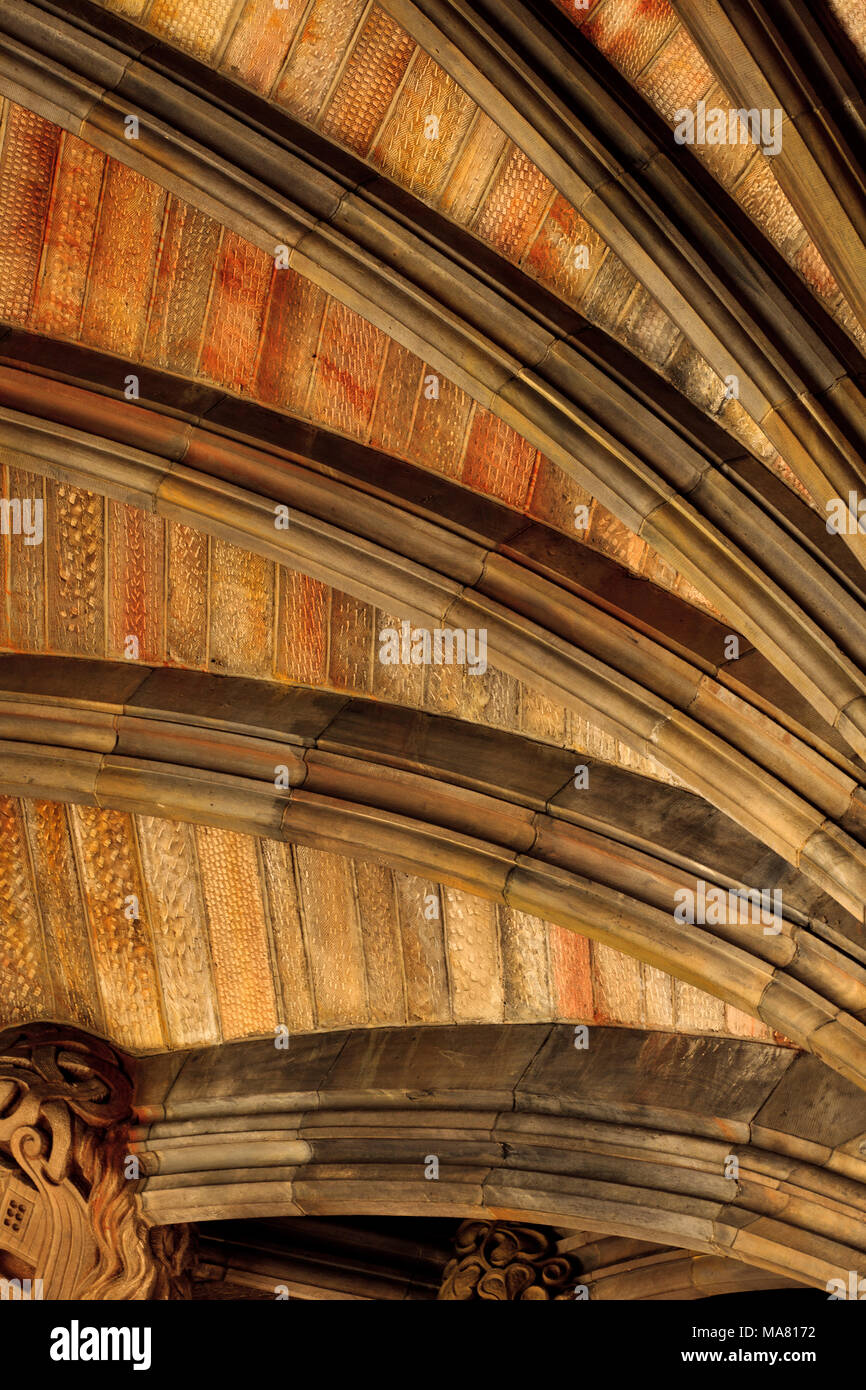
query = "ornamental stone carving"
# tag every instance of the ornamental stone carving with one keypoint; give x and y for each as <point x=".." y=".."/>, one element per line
<point x="498" y="1260"/>
<point x="70" y="1221"/>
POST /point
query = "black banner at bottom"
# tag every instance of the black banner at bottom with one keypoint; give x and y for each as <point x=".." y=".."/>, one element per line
<point x="224" y="1339"/>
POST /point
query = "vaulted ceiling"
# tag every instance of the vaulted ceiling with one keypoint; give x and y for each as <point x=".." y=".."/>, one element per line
<point x="435" y="283"/>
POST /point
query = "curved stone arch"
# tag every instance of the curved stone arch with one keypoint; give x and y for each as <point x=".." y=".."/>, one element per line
<point x="160" y="740"/>
<point x="523" y="1125"/>
<point x="654" y="1277"/>
<point x="354" y="791"/>
<point x="786" y="58"/>
<point x="263" y="449"/>
<point x="614" y="446"/>
<point x="805" y="806"/>
<point x="602" y="146"/>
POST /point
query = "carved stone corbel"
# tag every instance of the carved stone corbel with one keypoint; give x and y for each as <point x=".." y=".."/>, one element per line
<point x="70" y="1220"/>
<point x="499" y="1260"/>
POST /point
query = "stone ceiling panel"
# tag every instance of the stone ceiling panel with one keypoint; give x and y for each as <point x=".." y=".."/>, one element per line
<point x="656" y="54"/>
<point x="159" y="935"/>
<point x="355" y="74"/>
<point x="183" y="294"/>
<point x="108" y="572"/>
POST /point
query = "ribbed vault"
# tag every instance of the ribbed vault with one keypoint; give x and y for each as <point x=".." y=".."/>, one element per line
<point x="678" y="488"/>
<point x="323" y="319"/>
<point x="571" y="663"/>
<point x="538" y="846"/>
